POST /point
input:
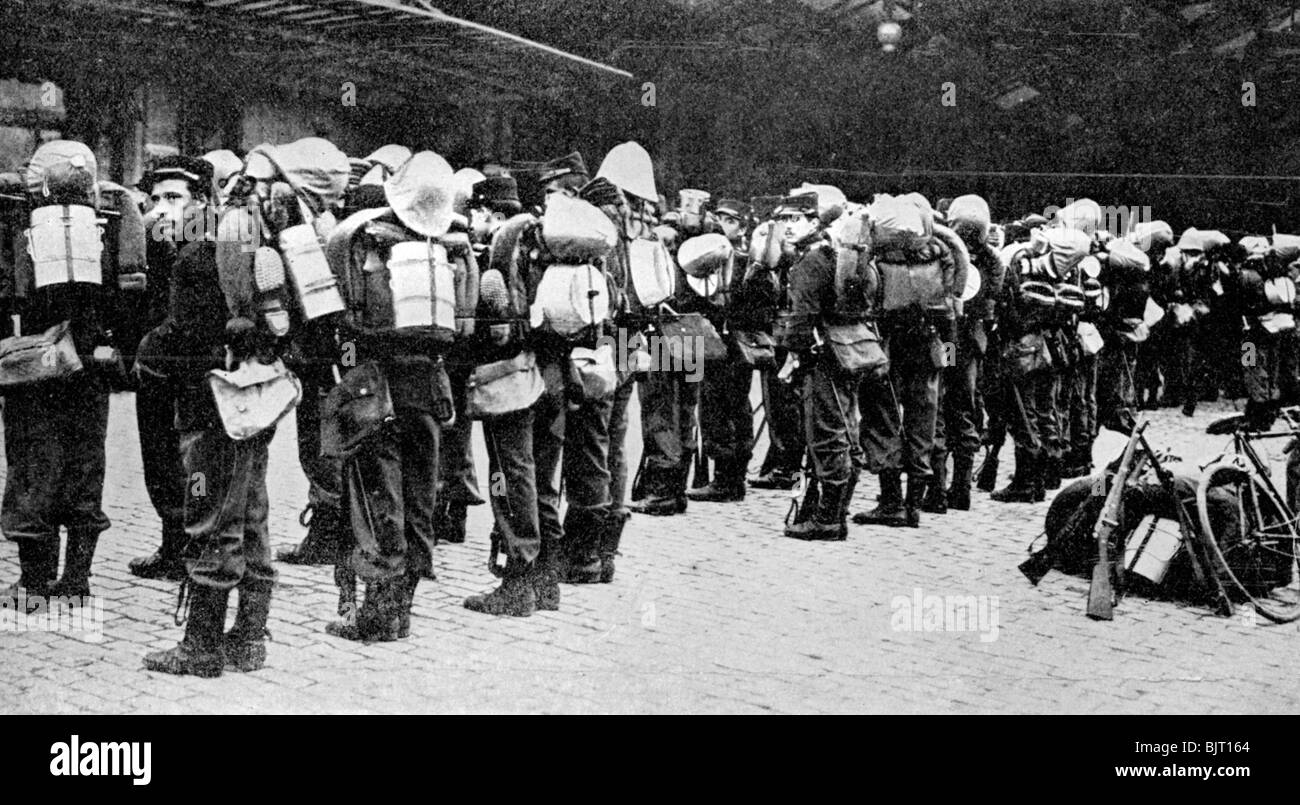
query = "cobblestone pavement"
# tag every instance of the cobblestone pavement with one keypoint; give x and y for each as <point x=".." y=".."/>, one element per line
<point x="712" y="611"/>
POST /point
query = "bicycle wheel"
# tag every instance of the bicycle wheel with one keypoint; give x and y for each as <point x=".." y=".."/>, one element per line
<point x="1255" y="545"/>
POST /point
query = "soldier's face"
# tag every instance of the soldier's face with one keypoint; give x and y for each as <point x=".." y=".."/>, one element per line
<point x="795" y="227"/>
<point x="484" y="223"/>
<point x="730" y="226"/>
<point x="169" y="200"/>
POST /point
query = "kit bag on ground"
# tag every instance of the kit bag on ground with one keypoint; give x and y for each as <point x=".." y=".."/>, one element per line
<point x="26" y="360"/>
<point x="503" y="387"/>
<point x="1148" y="511"/>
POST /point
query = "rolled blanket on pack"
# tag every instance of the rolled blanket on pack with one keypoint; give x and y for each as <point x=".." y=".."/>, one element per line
<point x="960" y="258"/>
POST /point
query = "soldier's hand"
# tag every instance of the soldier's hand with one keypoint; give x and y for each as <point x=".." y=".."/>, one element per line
<point x="786" y="375"/>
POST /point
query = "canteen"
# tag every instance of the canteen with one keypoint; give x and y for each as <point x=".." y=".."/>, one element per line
<point x="423" y="285"/>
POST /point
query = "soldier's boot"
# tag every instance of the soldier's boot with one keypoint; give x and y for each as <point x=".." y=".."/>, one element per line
<point x="936" y="493"/>
<point x="912" y="504"/>
<point x="405" y="600"/>
<point x="1026" y="484"/>
<point x="449" y="522"/>
<point x="245" y="644"/>
<point x="547" y="572"/>
<point x="166" y="562"/>
<point x="609" y="541"/>
<point x="659" y="505"/>
<point x="200" y="651"/>
<point x="378" y="618"/>
<point x="959" y="491"/>
<point x="320" y="546"/>
<point x="515" y="597"/>
<point x="775" y="479"/>
<point x="74" y="584"/>
<point x="582" y="534"/>
<point x="727" y="485"/>
<point x="827" y="522"/>
<point x="39" y="562"/>
<point x="988" y="474"/>
<point x="889" y="506"/>
<point x="1050" y="472"/>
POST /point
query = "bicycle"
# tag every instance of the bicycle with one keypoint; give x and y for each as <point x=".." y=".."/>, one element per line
<point x="1256" y="552"/>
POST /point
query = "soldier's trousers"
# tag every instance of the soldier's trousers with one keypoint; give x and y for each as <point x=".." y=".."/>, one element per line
<point x="1081" y="388"/>
<point x="1022" y="404"/>
<point x="956" y="429"/>
<point x="571" y="447"/>
<point x="899" y="413"/>
<point x="1051" y="414"/>
<point x="784" y="430"/>
<point x="389" y="494"/>
<point x="160" y="452"/>
<point x="618" y="443"/>
<point x="54" y="451"/>
<point x="226" y="508"/>
<point x="1117" y="390"/>
<point x="514" y="502"/>
<point x="726" y="417"/>
<point x="668" y="401"/>
<point x="1263" y="366"/>
<point x="323" y="474"/>
<point x="831" y="421"/>
<point x="457" y="479"/>
<point x="1288" y="366"/>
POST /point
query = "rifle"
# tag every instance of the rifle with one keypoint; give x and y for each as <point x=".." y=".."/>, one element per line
<point x="1193" y="538"/>
<point x="1101" y="592"/>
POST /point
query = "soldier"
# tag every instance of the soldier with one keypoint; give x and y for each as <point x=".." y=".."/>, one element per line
<point x="571" y="424"/>
<point x="825" y="316"/>
<point x="669" y="398"/>
<point x="629" y="169"/>
<point x="390" y="481"/>
<point x="726" y="417"/>
<point x="322" y="515"/>
<point x="958" y="424"/>
<point x="499" y="348"/>
<point x="921" y="272"/>
<point x="55" y="428"/>
<point x="1032" y="312"/>
<point x="1125" y="293"/>
<point x="771" y="257"/>
<point x="179" y="188"/>
<point x="229" y="299"/>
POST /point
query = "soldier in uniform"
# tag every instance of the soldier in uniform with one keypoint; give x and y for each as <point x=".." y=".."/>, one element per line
<point x="1031" y="313"/>
<point x="178" y="186"/>
<point x="230" y="312"/>
<point x="828" y="388"/>
<point x="771" y="258"/>
<point x="55" y="429"/>
<point x="571" y="429"/>
<point x="390" y="484"/>
<point x="959" y="420"/>
<point x="726" y="417"/>
<point x="1125" y="293"/>
<point x="530" y="578"/>
<point x="900" y="410"/>
<point x="669" y="399"/>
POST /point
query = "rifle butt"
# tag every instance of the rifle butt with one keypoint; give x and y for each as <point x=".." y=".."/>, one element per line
<point x="1101" y="598"/>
